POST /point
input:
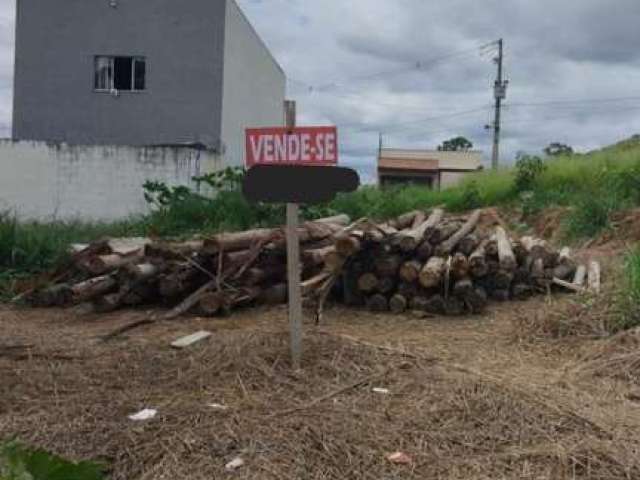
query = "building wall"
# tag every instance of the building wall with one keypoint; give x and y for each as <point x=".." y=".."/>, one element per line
<point x="47" y="181"/>
<point x="56" y="42"/>
<point x="254" y="85"/>
<point x="451" y="179"/>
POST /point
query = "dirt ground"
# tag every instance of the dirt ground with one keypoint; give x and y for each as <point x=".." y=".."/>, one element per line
<point x="467" y="398"/>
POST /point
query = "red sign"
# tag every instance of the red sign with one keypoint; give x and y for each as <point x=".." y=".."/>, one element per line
<point x="298" y="146"/>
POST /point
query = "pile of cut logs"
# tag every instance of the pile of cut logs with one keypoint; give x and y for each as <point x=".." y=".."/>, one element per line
<point x="430" y="263"/>
<point x="452" y="266"/>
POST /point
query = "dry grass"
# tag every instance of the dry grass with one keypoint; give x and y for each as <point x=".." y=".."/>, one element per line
<point x="453" y="423"/>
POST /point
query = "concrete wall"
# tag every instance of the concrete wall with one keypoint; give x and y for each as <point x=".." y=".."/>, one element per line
<point x="451" y="179"/>
<point x="254" y="84"/>
<point x="58" y="181"/>
<point x="56" y="41"/>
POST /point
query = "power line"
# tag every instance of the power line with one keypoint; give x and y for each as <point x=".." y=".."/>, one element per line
<point x="417" y="66"/>
<point x="375" y="128"/>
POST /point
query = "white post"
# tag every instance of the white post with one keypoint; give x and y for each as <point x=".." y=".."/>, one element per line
<point x="293" y="262"/>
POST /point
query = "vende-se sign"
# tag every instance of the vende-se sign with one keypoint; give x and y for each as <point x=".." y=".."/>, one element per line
<point x="292" y="146"/>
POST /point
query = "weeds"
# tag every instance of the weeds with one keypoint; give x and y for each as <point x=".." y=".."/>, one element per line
<point x="629" y="296"/>
<point x="20" y="463"/>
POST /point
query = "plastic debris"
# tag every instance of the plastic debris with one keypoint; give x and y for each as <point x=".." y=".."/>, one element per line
<point x="146" y="414"/>
<point x="234" y="464"/>
<point x="381" y="391"/>
<point x="400" y="458"/>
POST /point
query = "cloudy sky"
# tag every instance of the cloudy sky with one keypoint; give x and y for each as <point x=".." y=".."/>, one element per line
<point x="421" y="71"/>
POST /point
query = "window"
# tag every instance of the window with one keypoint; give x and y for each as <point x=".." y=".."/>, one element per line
<point x="125" y="74"/>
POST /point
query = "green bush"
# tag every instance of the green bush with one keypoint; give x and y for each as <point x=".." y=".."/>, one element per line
<point x="21" y="463"/>
<point x="528" y="170"/>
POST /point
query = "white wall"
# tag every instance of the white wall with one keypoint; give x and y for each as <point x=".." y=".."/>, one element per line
<point x="58" y="181"/>
<point x="253" y="87"/>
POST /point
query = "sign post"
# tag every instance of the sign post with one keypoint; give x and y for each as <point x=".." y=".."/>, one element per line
<point x="294" y="165"/>
<point x="293" y="261"/>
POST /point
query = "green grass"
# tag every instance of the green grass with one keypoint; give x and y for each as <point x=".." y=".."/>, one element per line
<point x="629" y="295"/>
<point x="20" y="463"/>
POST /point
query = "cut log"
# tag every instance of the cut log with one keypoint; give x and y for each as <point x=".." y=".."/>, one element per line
<point x="443" y="232"/>
<point x="566" y="267"/>
<point x="408" y="290"/>
<point x="469" y="244"/>
<point x="92" y="288"/>
<point x="569" y="286"/>
<point x="368" y="283"/>
<point x="398" y="304"/>
<point x="378" y="303"/>
<point x="478" y="262"/>
<point x="315" y="282"/>
<point x="505" y="252"/>
<point x="173" y="250"/>
<point x="476" y="300"/>
<point x="503" y="279"/>
<point x="580" y="276"/>
<point x="347" y="245"/>
<point x="274" y="295"/>
<point x="594" y="278"/>
<point x="54" y="296"/>
<point x="436" y="305"/>
<point x="179" y="281"/>
<point x="404" y="221"/>
<point x="463" y="287"/>
<point x="410" y="240"/>
<point x="388" y="265"/>
<point x="101" y="264"/>
<point x="419" y="303"/>
<point x="424" y="251"/>
<point x="233" y="242"/>
<point x="191" y="301"/>
<point x="447" y="246"/>
<point x="454" y="307"/>
<point x="141" y="272"/>
<point x="522" y="291"/>
<point x="431" y="274"/>
<point x="108" y="303"/>
<point x="410" y="271"/>
<point x="342" y="220"/>
<point x="460" y="266"/>
<point x="386" y="285"/>
<point x="266" y="274"/>
<point x="210" y="304"/>
<point x="519" y="251"/>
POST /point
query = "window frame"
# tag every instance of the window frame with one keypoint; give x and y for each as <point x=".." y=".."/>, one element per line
<point x="135" y="60"/>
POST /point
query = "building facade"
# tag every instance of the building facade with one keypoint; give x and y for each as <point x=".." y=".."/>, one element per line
<point x="142" y="73"/>
<point x="432" y="168"/>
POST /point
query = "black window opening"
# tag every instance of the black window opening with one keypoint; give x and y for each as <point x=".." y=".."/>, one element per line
<point x="121" y="74"/>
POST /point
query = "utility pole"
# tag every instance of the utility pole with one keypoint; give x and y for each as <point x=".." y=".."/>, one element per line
<point x="500" y="93"/>
<point x="293" y="261"/>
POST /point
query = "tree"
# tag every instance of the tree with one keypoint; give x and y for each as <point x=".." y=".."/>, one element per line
<point x="557" y="149"/>
<point x="456" y="144"/>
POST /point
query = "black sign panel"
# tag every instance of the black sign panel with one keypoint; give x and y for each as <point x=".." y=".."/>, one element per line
<point x="296" y="184"/>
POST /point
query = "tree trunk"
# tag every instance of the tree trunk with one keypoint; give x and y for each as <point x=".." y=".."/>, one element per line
<point x="388" y="265"/>
<point x="594" y="278"/>
<point x="173" y="251"/>
<point x="93" y="287"/>
<point x="425" y="251"/>
<point x="409" y="241"/>
<point x="398" y="304"/>
<point x="469" y="244"/>
<point x="448" y="245"/>
<point x="101" y="264"/>
<point x="460" y="266"/>
<point x="386" y="285"/>
<point x="505" y="253"/>
<point x="233" y="242"/>
<point x="368" y="283"/>
<point x="432" y="272"/>
<point x="478" y="262"/>
<point x="347" y="245"/>
<point x="410" y="271"/>
<point x="404" y="221"/>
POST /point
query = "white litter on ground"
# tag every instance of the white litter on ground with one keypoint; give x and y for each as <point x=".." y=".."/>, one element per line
<point x="234" y="464"/>
<point x="146" y="414"/>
